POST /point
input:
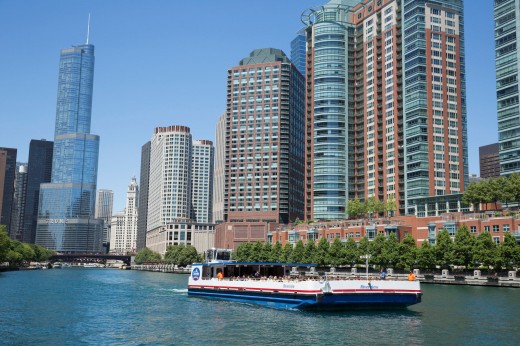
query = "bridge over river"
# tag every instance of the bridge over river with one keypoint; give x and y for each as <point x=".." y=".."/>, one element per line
<point x="90" y="258"/>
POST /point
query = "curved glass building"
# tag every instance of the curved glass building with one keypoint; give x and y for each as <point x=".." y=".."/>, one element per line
<point x="328" y="112"/>
<point x="66" y="220"/>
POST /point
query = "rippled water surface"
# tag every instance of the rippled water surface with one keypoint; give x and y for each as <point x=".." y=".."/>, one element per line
<point x="84" y="306"/>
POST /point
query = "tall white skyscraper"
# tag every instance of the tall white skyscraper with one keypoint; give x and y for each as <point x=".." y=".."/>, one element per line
<point x="124" y="224"/>
<point x="179" y="197"/>
<point x="219" y="170"/>
<point x="202" y="180"/>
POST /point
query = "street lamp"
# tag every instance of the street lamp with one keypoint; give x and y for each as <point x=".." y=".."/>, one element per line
<point x="367" y="257"/>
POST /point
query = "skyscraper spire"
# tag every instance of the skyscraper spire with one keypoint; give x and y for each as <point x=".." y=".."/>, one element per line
<point x="88" y="28"/>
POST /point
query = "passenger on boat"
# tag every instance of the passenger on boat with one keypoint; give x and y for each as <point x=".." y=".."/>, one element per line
<point x="411" y="276"/>
<point x="220" y="275"/>
<point x="382" y="275"/>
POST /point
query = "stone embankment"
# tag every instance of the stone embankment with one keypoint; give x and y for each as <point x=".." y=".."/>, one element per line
<point x="163" y="268"/>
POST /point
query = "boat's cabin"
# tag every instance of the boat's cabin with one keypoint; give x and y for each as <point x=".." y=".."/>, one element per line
<point x="247" y="270"/>
<point x="217" y="255"/>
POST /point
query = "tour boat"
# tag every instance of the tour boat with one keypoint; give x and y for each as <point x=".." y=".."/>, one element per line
<point x="297" y="286"/>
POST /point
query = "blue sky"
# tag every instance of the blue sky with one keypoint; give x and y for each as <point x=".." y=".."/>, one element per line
<point x="165" y="62"/>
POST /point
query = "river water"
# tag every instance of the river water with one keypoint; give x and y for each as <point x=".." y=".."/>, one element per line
<point x="84" y="306"/>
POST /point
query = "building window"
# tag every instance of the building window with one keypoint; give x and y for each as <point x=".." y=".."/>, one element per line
<point x="486" y="228"/>
<point x="505" y="228"/>
<point x="473" y="229"/>
<point x="495" y="228"/>
<point x="496" y="240"/>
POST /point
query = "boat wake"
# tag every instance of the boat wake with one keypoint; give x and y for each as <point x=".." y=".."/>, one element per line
<point x="178" y="290"/>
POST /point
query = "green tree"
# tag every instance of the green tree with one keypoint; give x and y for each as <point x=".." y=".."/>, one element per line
<point x="265" y="253"/>
<point x="243" y="252"/>
<point x="287" y="252"/>
<point x="40" y="253"/>
<point x="309" y="254"/>
<point x="509" y="251"/>
<point x="426" y="256"/>
<point x="493" y="189"/>
<point x="391" y="206"/>
<point x="188" y="255"/>
<point x="507" y="193"/>
<point x="463" y="245"/>
<point x="380" y="207"/>
<point x="390" y="254"/>
<point x="277" y="253"/>
<point x="25" y="251"/>
<point x="407" y="256"/>
<point x="5" y="244"/>
<point x="323" y="252"/>
<point x="514" y="180"/>
<point x="472" y="195"/>
<point x="256" y="252"/>
<point x="297" y="254"/>
<point x="14" y="258"/>
<point x="375" y="248"/>
<point x="172" y="254"/>
<point x="147" y="256"/>
<point x="485" y="252"/>
<point x="363" y="249"/>
<point x="355" y="208"/>
<point x="352" y="252"/>
<point x="443" y="249"/>
<point x="337" y="253"/>
<point x="371" y="206"/>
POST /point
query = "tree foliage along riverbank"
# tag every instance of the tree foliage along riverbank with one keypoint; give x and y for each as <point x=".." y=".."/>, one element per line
<point x="18" y="253"/>
<point x="465" y="250"/>
<point x="180" y="255"/>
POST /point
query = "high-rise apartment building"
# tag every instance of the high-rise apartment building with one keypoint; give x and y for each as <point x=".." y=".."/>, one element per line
<point x="39" y="171"/>
<point x="265" y="139"/>
<point x="123" y="234"/>
<point x="219" y="170"/>
<point x="170" y="217"/>
<point x="489" y="161"/>
<point x="66" y="220"/>
<point x="386" y="113"/>
<point x="202" y="158"/>
<point x="104" y="208"/>
<point x="7" y="177"/>
<point x="19" y="199"/>
<point x="142" y="212"/>
<point x="507" y="31"/>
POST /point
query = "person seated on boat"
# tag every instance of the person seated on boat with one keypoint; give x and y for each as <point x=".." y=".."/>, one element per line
<point x="382" y="275"/>
<point x="220" y="275"/>
<point x="411" y="276"/>
<point x="257" y="274"/>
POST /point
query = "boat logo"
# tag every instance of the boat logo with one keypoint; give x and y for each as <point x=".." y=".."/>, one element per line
<point x="369" y="286"/>
<point x="195" y="274"/>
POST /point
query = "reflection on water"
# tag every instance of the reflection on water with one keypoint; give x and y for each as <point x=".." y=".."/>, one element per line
<point x="108" y="306"/>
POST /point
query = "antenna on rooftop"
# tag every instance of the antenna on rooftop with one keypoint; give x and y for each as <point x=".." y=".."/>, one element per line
<point x="88" y="28"/>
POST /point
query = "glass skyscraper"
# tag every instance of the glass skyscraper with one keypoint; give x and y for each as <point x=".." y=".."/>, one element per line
<point x="298" y="53"/>
<point x="507" y="30"/>
<point x="39" y="171"/>
<point x="66" y="220"/>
